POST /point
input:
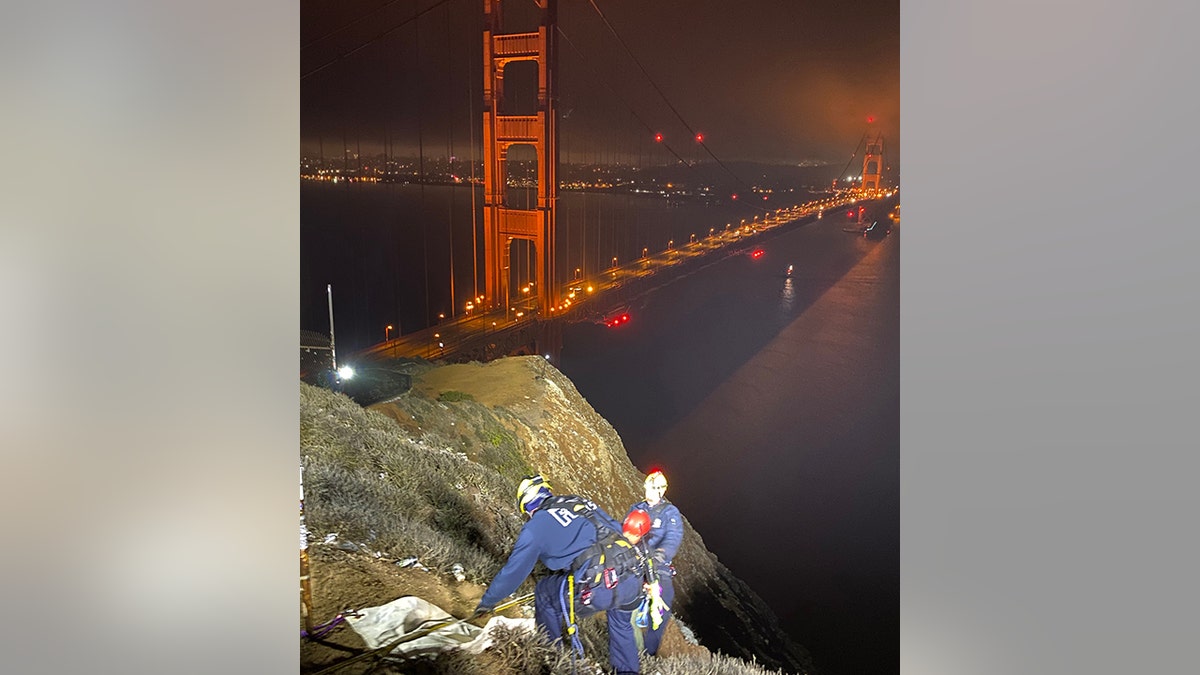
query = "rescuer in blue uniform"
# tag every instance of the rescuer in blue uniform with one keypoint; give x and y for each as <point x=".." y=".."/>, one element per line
<point x="559" y="531"/>
<point x="666" y="534"/>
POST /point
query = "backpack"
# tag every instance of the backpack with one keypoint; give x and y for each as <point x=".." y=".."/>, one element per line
<point x="608" y="562"/>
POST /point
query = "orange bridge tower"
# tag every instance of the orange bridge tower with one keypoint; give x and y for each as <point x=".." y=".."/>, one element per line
<point x="506" y="221"/>
<point x="872" y="164"/>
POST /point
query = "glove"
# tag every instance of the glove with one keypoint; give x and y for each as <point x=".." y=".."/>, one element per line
<point x="480" y="611"/>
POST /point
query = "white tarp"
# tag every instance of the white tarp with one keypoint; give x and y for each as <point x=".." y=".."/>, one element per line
<point x="410" y="615"/>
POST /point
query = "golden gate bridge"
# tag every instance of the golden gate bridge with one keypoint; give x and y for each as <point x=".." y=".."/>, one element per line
<point x="520" y="237"/>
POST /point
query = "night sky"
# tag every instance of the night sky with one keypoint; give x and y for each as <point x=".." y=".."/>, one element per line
<point x="775" y="81"/>
<point x="772" y="80"/>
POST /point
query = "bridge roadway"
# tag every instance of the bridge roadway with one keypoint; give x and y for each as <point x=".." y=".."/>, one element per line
<point x="487" y="334"/>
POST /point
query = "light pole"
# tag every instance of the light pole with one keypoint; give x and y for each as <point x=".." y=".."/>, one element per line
<point x="332" y="343"/>
<point x="386" y="331"/>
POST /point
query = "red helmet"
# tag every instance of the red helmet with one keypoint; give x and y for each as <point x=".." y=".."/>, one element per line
<point x="637" y="523"/>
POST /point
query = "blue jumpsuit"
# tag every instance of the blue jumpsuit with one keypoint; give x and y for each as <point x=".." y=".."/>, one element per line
<point x="556" y="534"/>
<point x="666" y="534"/>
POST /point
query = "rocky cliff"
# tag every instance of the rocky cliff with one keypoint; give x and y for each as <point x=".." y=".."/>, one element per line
<point x="519" y="415"/>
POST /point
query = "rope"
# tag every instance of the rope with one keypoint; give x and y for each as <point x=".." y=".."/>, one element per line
<point x="383" y="651"/>
<point x="567" y="604"/>
<point x="326" y="628"/>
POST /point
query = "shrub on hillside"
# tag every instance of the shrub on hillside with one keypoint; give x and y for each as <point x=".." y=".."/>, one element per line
<point x="374" y="486"/>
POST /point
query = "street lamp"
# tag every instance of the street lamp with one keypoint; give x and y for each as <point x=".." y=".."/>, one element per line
<point x="644" y="249"/>
<point x="386" y="331"/>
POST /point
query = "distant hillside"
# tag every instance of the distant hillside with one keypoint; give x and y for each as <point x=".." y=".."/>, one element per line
<point x="430" y="474"/>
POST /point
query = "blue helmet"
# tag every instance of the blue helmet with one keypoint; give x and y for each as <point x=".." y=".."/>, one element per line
<point x="532" y="491"/>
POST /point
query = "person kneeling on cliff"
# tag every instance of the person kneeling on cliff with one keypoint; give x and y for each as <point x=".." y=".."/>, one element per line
<point x="569" y="534"/>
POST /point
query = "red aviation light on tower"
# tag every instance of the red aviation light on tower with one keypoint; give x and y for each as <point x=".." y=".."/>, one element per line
<point x="870" y="119"/>
<point x="699" y="138"/>
<point x="658" y="138"/>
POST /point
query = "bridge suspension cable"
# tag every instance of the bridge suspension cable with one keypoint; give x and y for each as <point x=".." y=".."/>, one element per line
<point x="853" y="155"/>
<point x="691" y="131"/>
<point x="356" y="20"/>
<point x="372" y="40"/>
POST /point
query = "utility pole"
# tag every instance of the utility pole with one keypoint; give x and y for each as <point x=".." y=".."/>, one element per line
<point x="332" y="348"/>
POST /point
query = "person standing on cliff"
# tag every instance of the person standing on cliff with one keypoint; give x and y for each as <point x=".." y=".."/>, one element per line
<point x="563" y="532"/>
<point x="663" y="540"/>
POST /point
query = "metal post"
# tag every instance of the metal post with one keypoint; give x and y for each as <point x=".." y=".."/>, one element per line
<point x="305" y="581"/>
<point x="332" y="349"/>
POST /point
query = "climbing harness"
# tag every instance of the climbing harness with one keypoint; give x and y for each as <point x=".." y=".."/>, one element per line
<point x="582" y="507"/>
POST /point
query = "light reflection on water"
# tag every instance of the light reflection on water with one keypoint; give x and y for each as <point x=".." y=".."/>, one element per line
<point x="787" y="297"/>
<point x="776" y="396"/>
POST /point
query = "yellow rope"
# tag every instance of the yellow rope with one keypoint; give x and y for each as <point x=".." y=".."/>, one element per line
<point x="571" y="610"/>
